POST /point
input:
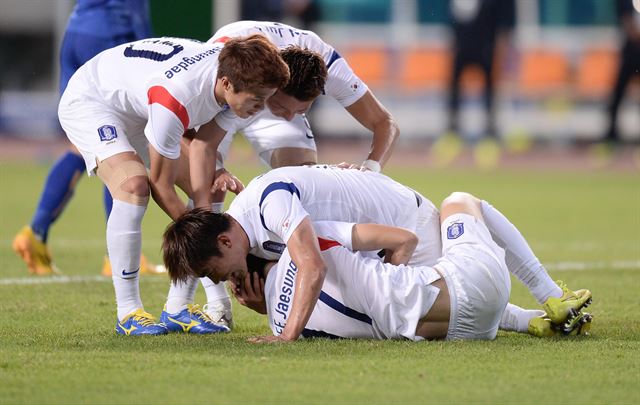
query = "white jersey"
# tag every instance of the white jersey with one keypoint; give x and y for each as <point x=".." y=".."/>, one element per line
<point x="163" y="84"/>
<point x="360" y="297"/>
<point x="342" y="84"/>
<point x="272" y="205"/>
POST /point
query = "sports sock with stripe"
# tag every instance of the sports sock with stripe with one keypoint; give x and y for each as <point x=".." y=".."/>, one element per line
<point x="124" y="243"/>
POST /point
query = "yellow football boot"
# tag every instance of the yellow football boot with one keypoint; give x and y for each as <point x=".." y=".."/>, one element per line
<point x="571" y="302"/>
<point x="446" y="149"/>
<point x="579" y="325"/>
<point x="34" y="253"/>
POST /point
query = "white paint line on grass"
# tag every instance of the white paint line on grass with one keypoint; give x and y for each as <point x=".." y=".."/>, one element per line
<point x="579" y="266"/>
<point x="559" y="266"/>
<point x="65" y="280"/>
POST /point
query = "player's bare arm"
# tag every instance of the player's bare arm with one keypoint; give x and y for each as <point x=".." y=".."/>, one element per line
<point x="369" y="112"/>
<point x="162" y="179"/>
<point x="305" y="252"/>
<point x="202" y="158"/>
<point x="398" y="243"/>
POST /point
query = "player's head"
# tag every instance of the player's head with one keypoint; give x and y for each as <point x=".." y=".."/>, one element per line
<point x="308" y="75"/>
<point x="201" y="243"/>
<point x="250" y="70"/>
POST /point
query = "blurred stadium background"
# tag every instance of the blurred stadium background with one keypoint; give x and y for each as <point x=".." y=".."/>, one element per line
<point x="553" y="79"/>
<point x="580" y="211"/>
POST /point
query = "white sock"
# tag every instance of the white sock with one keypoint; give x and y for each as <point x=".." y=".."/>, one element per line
<point x="215" y="292"/>
<point x="217" y="207"/>
<point x="124" y="245"/>
<point x="520" y="260"/>
<point x="181" y="294"/>
<point x="517" y="319"/>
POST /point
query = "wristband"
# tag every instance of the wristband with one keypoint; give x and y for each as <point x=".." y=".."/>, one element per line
<point x="372" y="165"/>
<point x="218" y="208"/>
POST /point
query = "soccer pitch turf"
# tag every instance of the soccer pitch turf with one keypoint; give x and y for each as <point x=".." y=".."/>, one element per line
<point x="58" y="345"/>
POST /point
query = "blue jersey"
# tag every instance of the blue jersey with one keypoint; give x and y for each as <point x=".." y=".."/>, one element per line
<point x="96" y="25"/>
<point x="109" y="18"/>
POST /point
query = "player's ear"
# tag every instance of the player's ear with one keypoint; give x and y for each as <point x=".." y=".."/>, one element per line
<point x="226" y="83"/>
<point x="224" y="240"/>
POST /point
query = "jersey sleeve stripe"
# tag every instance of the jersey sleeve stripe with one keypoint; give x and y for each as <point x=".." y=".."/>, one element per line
<point x="326" y="244"/>
<point x="334" y="57"/>
<point x="160" y="95"/>
<point x="340" y="307"/>
<point x="221" y="40"/>
<point x="280" y="185"/>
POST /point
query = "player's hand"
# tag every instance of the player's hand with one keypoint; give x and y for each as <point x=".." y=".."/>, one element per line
<point x="347" y="165"/>
<point x="269" y="339"/>
<point x="226" y="181"/>
<point x="250" y="292"/>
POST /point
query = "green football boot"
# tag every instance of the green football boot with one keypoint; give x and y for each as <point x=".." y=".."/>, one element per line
<point x="571" y="302"/>
<point x="576" y="325"/>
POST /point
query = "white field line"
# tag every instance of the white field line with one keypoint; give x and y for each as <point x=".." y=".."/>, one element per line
<point x="554" y="267"/>
<point x="67" y="280"/>
<point x="579" y="266"/>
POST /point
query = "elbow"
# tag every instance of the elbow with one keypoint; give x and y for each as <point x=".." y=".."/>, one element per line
<point x="319" y="273"/>
<point x="412" y="241"/>
<point x="388" y="125"/>
<point x="395" y="129"/>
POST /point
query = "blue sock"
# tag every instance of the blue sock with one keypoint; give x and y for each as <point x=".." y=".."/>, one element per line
<point x="108" y="202"/>
<point x="57" y="191"/>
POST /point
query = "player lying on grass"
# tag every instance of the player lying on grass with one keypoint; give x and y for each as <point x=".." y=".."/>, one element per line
<point x="463" y="296"/>
<point x="276" y="210"/>
<point x="128" y="108"/>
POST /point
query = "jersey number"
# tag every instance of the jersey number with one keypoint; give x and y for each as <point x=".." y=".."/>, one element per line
<point x="129" y="52"/>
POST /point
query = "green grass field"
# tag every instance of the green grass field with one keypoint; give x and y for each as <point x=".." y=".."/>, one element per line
<point x="57" y="343"/>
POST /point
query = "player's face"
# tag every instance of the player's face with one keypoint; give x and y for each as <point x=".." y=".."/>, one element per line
<point x="247" y="103"/>
<point x="285" y="106"/>
<point x="230" y="266"/>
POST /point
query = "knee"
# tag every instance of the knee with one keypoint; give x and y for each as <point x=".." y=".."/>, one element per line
<point x="460" y="202"/>
<point x="459" y="197"/>
<point x="137" y="185"/>
<point x="127" y="181"/>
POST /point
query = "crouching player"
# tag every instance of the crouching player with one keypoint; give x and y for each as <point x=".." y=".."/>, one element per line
<point x="464" y="296"/>
<point x="132" y="104"/>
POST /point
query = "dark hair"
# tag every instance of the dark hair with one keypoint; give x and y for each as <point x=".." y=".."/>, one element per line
<point x="191" y="240"/>
<point x="251" y="63"/>
<point x="308" y="73"/>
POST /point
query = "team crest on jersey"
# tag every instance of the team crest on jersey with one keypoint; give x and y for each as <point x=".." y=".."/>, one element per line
<point x="274" y="247"/>
<point x="107" y="133"/>
<point x="455" y="230"/>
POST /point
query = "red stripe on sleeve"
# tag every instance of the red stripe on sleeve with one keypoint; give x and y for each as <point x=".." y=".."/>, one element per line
<point x="160" y="95"/>
<point x="221" y="40"/>
<point x="327" y="244"/>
